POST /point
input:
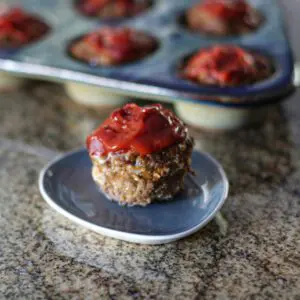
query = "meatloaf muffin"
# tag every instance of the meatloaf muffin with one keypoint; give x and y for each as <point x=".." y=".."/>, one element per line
<point x="223" y="17"/>
<point x="112" y="46"/>
<point x="140" y="154"/>
<point x="111" y="9"/>
<point x="227" y="66"/>
<point x="18" y="28"/>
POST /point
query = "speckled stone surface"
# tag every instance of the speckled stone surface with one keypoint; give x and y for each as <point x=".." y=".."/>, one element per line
<point x="45" y="256"/>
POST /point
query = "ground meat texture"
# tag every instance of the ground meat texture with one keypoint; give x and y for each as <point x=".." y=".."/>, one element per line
<point x="111" y="9"/>
<point x="223" y="17"/>
<point x="133" y="179"/>
<point x="18" y="28"/>
<point x="112" y="46"/>
<point x="227" y="65"/>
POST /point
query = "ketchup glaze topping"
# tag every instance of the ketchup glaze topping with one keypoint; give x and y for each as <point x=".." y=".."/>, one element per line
<point x="123" y="44"/>
<point x="143" y="130"/>
<point x="226" y="65"/>
<point x="18" y="28"/>
<point x="122" y="7"/>
<point x="226" y="9"/>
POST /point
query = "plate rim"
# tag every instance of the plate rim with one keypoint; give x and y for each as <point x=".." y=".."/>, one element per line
<point x="126" y="236"/>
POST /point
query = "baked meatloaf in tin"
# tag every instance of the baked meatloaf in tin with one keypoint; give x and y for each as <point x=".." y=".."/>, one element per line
<point x="227" y="65"/>
<point x="223" y="17"/>
<point x="109" y="46"/>
<point x="19" y="28"/>
<point x="112" y="9"/>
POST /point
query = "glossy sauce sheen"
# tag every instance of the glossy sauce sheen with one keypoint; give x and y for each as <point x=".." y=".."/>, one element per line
<point x="143" y="130"/>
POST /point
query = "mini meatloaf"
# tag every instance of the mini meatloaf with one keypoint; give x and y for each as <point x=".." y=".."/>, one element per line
<point x="223" y="17"/>
<point x="227" y="66"/>
<point x="18" y="28"/>
<point x="110" y="46"/>
<point x="111" y="9"/>
<point x="140" y="154"/>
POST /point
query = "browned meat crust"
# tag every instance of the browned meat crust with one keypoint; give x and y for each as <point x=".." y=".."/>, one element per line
<point x="135" y="180"/>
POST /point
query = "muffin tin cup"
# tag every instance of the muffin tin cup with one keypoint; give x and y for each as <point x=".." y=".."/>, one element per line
<point x="219" y="119"/>
<point x="10" y="82"/>
<point x="155" y="76"/>
<point x="93" y="96"/>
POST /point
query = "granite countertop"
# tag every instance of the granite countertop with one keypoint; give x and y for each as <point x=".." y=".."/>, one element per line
<point x="45" y="256"/>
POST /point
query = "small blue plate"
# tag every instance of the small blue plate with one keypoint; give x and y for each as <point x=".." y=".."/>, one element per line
<point x="67" y="186"/>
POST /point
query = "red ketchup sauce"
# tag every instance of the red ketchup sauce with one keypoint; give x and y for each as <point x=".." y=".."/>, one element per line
<point x="225" y="65"/>
<point x="225" y="9"/>
<point x="119" y="43"/>
<point x="92" y="7"/>
<point x="143" y="130"/>
<point x="18" y="28"/>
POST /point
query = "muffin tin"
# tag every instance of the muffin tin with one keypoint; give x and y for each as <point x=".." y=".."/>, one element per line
<point x="158" y="75"/>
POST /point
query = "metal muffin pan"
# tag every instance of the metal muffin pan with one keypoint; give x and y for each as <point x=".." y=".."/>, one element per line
<point x="157" y="75"/>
